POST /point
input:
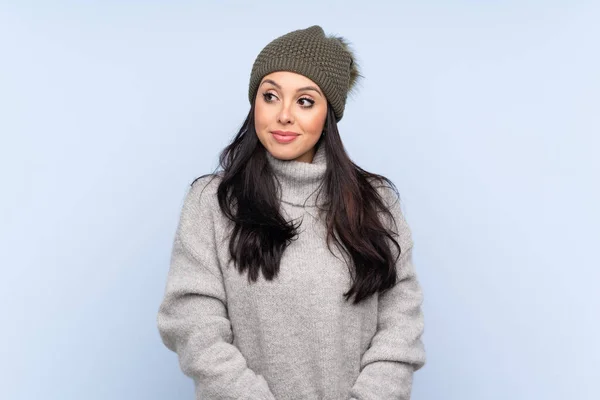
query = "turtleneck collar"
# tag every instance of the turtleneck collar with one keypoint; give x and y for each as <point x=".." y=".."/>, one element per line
<point x="299" y="180"/>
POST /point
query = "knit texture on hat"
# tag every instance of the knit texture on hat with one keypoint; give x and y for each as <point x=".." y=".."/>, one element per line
<point x="326" y="60"/>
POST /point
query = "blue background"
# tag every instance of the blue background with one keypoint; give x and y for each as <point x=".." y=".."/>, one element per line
<point x="486" y="114"/>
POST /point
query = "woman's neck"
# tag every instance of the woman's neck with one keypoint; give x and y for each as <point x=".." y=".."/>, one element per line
<point x="300" y="181"/>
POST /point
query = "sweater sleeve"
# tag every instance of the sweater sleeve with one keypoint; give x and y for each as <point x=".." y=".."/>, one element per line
<point x="192" y="318"/>
<point x="396" y="350"/>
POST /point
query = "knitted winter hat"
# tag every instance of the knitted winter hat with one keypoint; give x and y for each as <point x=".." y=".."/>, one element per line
<point x="326" y="60"/>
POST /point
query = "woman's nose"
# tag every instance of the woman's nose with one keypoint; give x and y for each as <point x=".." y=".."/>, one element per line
<point x="285" y="115"/>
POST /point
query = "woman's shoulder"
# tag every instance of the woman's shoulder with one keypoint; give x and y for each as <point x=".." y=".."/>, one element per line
<point x="390" y="196"/>
<point x="386" y="189"/>
<point x="203" y="189"/>
<point x="208" y="182"/>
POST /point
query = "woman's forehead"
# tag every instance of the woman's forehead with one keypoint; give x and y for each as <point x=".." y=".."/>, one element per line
<point x="288" y="78"/>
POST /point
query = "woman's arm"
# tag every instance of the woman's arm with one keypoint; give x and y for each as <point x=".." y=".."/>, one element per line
<point x="192" y="319"/>
<point x="396" y="350"/>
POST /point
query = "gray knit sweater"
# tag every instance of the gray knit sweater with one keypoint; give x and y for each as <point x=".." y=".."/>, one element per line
<point x="294" y="337"/>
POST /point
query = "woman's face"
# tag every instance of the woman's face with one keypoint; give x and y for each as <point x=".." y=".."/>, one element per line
<point x="289" y="115"/>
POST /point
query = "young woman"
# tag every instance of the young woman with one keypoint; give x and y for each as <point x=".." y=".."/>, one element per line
<point x="291" y="273"/>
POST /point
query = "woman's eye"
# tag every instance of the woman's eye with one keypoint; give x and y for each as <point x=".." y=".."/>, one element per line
<point x="308" y="102"/>
<point x="268" y="97"/>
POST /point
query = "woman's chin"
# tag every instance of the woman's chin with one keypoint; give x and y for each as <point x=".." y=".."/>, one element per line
<point x="282" y="152"/>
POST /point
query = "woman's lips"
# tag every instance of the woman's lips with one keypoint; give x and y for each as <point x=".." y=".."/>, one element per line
<point x="284" y="137"/>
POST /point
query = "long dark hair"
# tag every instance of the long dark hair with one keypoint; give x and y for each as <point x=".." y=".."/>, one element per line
<point x="247" y="196"/>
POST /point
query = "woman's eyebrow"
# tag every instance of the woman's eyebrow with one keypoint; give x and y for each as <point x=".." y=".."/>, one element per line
<point x="309" y="88"/>
<point x="299" y="90"/>
<point x="272" y="83"/>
